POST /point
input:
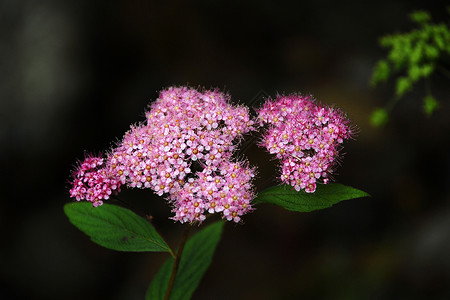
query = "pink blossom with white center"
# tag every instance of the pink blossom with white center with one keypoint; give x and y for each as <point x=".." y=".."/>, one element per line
<point x="306" y="136"/>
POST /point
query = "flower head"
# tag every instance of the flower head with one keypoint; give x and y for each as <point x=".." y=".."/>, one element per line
<point x="305" y="136"/>
<point x="183" y="150"/>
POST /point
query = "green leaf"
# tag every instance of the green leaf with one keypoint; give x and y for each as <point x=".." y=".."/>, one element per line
<point x="414" y="72"/>
<point x="430" y="105"/>
<point x="401" y="49"/>
<point x="416" y="54"/>
<point x="380" y="73"/>
<point x="427" y="69"/>
<point x="115" y="227"/>
<point x="379" y="117"/>
<point x="403" y="85"/>
<point x="439" y="41"/>
<point x="431" y="52"/>
<point x="387" y="40"/>
<point x="326" y="195"/>
<point x="195" y="260"/>
<point x="420" y="16"/>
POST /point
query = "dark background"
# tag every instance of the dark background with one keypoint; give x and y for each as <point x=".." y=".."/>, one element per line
<point x="76" y="74"/>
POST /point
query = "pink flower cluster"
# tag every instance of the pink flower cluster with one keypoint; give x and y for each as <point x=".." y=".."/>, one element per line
<point x="94" y="182"/>
<point x="184" y="152"/>
<point x="305" y="136"/>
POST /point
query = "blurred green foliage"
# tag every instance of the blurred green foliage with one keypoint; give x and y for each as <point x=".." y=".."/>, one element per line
<point x="413" y="56"/>
<point x="379" y="117"/>
<point x="430" y="104"/>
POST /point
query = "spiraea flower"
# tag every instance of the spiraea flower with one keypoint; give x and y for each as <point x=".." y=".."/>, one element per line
<point x="305" y="136"/>
<point x="94" y="181"/>
<point x="183" y="152"/>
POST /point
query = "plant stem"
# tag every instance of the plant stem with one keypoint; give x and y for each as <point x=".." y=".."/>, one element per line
<point x="176" y="262"/>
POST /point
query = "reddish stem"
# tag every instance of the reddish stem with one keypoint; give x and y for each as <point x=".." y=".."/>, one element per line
<point x="176" y="263"/>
